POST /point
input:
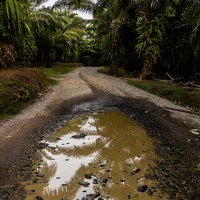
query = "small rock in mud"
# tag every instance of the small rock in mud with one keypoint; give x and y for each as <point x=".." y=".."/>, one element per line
<point x="97" y="194"/>
<point x="91" y="196"/>
<point x="84" y="183"/>
<point x="102" y="165"/>
<point x="40" y="175"/>
<point x="105" y="180"/>
<point x="95" y="181"/>
<point x="42" y="145"/>
<point x="150" y="192"/>
<point x="80" y="136"/>
<point x="195" y="131"/>
<point x="7" y="186"/>
<point x="27" y="165"/>
<point x="35" y="180"/>
<point x="142" y="188"/>
<point x="136" y="170"/>
<point x="38" y="198"/>
<point x="88" y="175"/>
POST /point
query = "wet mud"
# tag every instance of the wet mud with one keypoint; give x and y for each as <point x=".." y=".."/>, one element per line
<point x="104" y="154"/>
<point x="94" y="140"/>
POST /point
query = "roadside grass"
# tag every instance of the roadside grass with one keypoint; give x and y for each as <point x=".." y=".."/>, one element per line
<point x="185" y="96"/>
<point x="121" y="72"/>
<point x="18" y="87"/>
<point x="21" y="87"/>
<point x="104" y="70"/>
<point x="59" y="69"/>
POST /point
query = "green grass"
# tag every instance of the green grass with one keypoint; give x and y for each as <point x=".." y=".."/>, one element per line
<point x="185" y="96"/>
<point x="121" y="72"/>
<point x="104" y="70"/>
<point x="59" y="69"/>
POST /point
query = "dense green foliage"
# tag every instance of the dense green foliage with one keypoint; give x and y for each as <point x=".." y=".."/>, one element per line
<point x="147" y="36"/>
<point x="30" y="33"/>
<point x="58" y="69"/>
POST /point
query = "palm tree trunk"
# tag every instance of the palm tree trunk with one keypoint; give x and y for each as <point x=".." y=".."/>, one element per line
<point x="147" y="70"/>
<point x="147" y="10"/>
<point x="148" y="66"/>
<point x="113" y="70"/>
<point x="7" y="54"/>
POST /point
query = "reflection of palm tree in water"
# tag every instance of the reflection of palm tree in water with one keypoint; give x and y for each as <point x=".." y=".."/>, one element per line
<point x="121" y="140"/>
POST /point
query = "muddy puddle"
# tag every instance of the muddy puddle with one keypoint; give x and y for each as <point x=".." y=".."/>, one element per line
<point x="101" y="156"/>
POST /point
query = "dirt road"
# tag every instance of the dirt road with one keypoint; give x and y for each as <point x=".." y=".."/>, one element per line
<point x="175" y="133"/>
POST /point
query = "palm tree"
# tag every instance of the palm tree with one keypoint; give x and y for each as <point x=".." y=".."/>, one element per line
<point x="178" y="53"/>
<point x="84" y="5"/>
<point x="56" y="32"/>
<point x="15" y="32"/>
<point x="151" y="34"/>
<point x="110" y="22"/>
<point x="10" y="26"/>
<point x="194" y="15"/>
<point x="69" y="36"/>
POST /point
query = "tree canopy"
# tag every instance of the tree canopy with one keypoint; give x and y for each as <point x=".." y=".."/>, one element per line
<point x="148" y="36"/>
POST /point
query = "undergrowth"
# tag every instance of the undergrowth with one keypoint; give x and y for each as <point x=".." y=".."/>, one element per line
<point x="59" y="69"/>
<point x="20" y="87"/>
<point x="106" y="70"/>
<point x="185" y="96"/>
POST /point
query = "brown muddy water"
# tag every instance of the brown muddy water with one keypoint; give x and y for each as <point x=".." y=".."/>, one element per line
<point x="100" y="156"/>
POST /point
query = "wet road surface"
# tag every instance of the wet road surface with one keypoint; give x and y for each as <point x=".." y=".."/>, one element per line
<point x="130" y="146"/>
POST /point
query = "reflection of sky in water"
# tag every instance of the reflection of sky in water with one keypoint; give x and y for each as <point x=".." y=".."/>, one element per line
<point x="111" y="140"/>
<point x="135" y="159"/>
<point x="89" y="126"/>
<point x="67" y="166"/>
<point x="88" y="190"/>
<point x="68" y="142"/>
<point x="65" y="169"/>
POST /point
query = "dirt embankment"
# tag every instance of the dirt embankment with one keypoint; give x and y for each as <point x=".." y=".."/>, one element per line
<point x="172" y="130"/>
<point x="18" y="87"/>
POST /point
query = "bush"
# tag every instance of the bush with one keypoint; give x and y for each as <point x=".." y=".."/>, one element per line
<point x="18" y="86"/>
